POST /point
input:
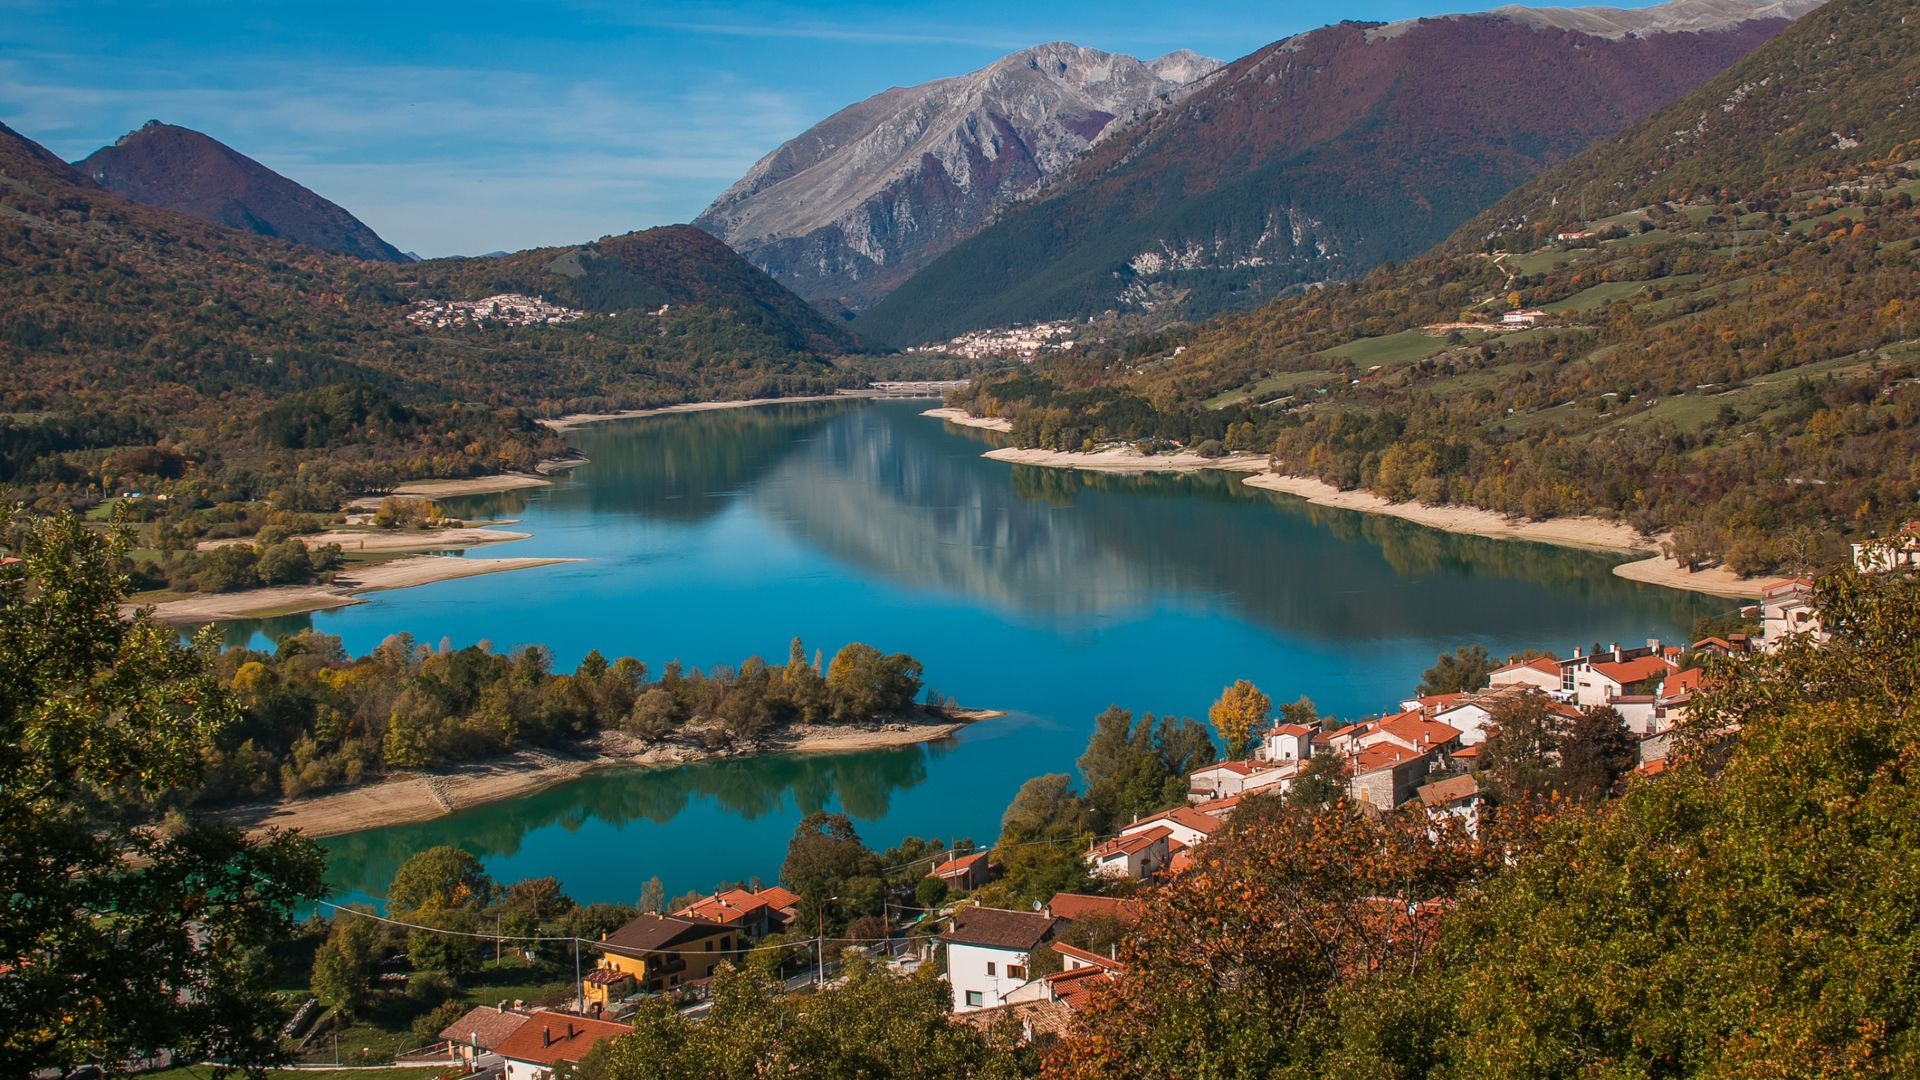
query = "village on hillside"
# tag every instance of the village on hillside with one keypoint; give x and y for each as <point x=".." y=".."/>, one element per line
<point x="1420" y="757"/>
<point x="503" y="309"/>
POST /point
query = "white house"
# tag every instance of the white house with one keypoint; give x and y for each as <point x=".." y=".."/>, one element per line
<point x="1225" y="779"/>
<point x="989" y="952"/>
<point x="1541" y="673"/>
<point x="552" y="1042"/>
<point x="1786" y="609"/>
<point x="1184" y="824"/>
<point x="1286" y="742"/>
<point x="1603" y="680"/>
<point x="1138" y="855"/>
<point x="1900" y="549"/>
<point x="1456" y="795"/>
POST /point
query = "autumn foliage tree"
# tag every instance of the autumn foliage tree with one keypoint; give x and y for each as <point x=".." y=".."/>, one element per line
<point x="1236" y="716"/>
<point x="1286" y="912"/>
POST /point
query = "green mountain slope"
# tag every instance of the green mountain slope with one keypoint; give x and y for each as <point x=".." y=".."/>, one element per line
<point x="143" y="347"/>
<point x="1739" y="366"/>
<point x="1314" y="159"/>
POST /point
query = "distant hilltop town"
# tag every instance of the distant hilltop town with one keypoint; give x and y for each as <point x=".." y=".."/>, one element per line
<point x="1019" y="342"/>
<point x="504" y="309"/>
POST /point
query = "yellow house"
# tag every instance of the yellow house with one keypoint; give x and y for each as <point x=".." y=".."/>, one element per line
<point x="657" y="953"/>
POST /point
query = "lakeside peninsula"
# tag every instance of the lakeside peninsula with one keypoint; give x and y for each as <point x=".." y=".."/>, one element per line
<point x="408" y="798"/>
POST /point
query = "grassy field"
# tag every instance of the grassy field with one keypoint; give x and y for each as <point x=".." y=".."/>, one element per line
<point x="1544" y="260"/>
<point x="1402" y="348"/>
<point x="1593" y="298"/>
<point x="1268" y="388"/>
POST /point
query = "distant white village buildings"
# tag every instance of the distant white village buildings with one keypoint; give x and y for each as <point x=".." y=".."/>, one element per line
<point x="1019" y="342"/>
<point x="503" y="309"/>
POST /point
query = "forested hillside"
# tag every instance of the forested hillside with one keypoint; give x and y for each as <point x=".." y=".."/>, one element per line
<point x="1314" y="159"/>
<point x="143" y="347"/>
<point x="1730" y="360"/>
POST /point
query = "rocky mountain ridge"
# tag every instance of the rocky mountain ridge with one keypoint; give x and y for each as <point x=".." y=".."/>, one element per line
<point x="1311" y="160"/>
<point x="852" y="206"/>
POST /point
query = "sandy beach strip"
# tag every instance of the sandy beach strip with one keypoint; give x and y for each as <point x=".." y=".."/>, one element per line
<point x="416" y="797"/>
<point x="1593" y="534"/>
<point x="1586" y="533"/>
<point x="295" y="599"/>
<point x="1714" y="581"/>
<point x="1126" y="459"/>
<point x="966" y="419"/>
<point x="394" y="539"/>
<point x="574" y="420"/>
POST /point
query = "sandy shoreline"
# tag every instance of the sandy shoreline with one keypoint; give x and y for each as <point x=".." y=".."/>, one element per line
<point x="1126" y="459"/>
<point x="1713" y="581"/>
<point x="342" y="592"/>
<point x="574" y="420"/>
<point x="966" y="419"/>
<point x="407" y="799"/>
<point x="1586" y="533"/>
<point x="1593" y="534"/>
<point x="395" y="539"/>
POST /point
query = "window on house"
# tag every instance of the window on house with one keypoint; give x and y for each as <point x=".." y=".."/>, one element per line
<point x="709" y="944"/>
<point x="974" y="1000"/>
<point x="1017" y="971"/>
<point x="989" y="968"/>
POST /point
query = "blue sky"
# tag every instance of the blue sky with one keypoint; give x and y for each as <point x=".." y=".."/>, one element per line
<point x="464" y="128"/>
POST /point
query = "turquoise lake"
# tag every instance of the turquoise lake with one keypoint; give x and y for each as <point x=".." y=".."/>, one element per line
<point x="712" y="537"/>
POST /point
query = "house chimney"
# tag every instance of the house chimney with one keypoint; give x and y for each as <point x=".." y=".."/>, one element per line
<point x="546" y="1035"/>
<point x="1576" y="652"/>
<point x="569" y="1029"/>
<point x="1615" y="648"/>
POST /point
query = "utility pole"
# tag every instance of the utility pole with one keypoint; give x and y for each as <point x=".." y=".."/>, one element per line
<point x="579" y="987"/>
<point x="820" y="943"/>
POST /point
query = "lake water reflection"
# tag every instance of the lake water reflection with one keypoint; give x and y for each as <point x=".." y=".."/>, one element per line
<point x="710" y="537"/>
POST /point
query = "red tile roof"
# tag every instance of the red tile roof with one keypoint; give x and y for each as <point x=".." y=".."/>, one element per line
<point x="1186" y="816"/>
<point x="1244" y="768"/>
<point x="1786" y="585"/>
<point x="1628" y="672"/>
<point x="1130" y="843"/>
<point x="485" y="1027"/>
<point x="779" y="899"/>
<point x="1382" y="756"/>
<point x="1454" y="788"/>
<point x="566" y="1038"/>
<point x="1072" y="906"/>
<point x="1417" y="729"/>
<point x="1545" y="665"/>
<point x="1466" y="752"/>
<point x="1293" y="729"/>
<point x="725" y="908"/>
<point x="1682" y="681"/>
<point x="1104" y="962"/>
<point x="957" y="866"/>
